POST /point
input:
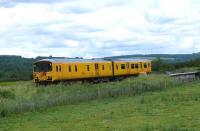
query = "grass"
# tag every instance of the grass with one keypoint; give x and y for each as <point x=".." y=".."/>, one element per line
<point x="24" y="96"/>
<point x="9" y="83"/>
<point x="175" y="109"/>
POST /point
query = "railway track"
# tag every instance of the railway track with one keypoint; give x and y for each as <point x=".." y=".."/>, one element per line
<point x="187" y="76"/>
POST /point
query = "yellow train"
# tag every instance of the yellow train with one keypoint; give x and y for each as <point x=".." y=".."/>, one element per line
<point x="54" y="70"/>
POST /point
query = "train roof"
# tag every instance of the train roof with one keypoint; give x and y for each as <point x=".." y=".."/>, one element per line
<point x="133" y="60"/>
<point x="71" y="60"/>
<point x="67" y="60"/>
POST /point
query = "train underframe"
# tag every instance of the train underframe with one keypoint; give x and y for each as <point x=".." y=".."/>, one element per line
<point x="87" y="80"/>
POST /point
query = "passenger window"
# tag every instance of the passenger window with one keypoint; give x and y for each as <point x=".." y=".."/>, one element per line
<point x="60" y="68"/>
<point x="116" y="66"/>
<point x="96" y="66"/>
<point x="57" y="68"/>
<point x="132" y="66"/>
<point x="75" y="68"/>
<point x="145" y="65"/>
<point x="102" y="67"/>
<point x="136" y="66"/>
<point x="88" y="68"/>
<point x="123" y="66"/>
<point x="70" y="68"/>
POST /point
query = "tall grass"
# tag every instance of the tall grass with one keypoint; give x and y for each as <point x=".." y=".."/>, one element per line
<point x="25" y="96"/>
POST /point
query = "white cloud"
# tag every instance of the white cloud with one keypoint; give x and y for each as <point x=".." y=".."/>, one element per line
<point x="72" y="43"/>
<point x="91" y="28"/>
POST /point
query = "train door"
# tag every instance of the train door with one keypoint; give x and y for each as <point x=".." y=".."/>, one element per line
<point x="128" y="68"/>
<point x="96" y="69"/>
<point x="59" y="72"/>
<point x="141" y="67"/>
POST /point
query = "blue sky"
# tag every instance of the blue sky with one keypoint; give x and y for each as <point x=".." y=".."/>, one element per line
<point x="90" y="28"/>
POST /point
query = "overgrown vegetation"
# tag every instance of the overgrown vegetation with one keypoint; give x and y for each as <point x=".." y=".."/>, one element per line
<point x="25" y="96"/>
<point x="175" y="109"/>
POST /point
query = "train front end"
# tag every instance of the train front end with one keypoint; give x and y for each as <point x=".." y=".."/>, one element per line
<point x="42" y="72"/>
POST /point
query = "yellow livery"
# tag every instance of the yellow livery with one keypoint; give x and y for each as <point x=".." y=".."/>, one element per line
<point x="52" y="70"/>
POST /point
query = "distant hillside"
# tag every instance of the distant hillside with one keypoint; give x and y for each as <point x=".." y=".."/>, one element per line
<point x="166" y="57"/>
<point x="14" y="68"/>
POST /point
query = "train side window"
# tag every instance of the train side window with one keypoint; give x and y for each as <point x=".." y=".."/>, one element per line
<point x="76" y="68"/>
<point x="136" y="66"/>
<point x="102" y="67"/>
<point x="145" y="65"/>
<point x="123" y="66"/>
<point x="96" y="66"/>
<point x="60" y="68"/>
<point x="116" y="66"/>
<point x="132" y="66"/>
<point x="88" y="68"/>
<point x="70" y="69"/>
<point x="56" y="68"/>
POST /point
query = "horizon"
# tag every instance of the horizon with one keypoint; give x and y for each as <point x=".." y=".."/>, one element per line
<point x="96" y="29"/>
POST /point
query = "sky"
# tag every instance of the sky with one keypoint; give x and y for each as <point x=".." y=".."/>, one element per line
<point x="91" y="28"/>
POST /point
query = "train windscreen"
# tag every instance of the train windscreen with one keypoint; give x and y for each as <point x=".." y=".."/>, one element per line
<point x="42" y="67"/>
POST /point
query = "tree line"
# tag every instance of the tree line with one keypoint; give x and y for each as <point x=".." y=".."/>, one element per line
<point x="13" y="68"/>
<point x="160" y="65"/>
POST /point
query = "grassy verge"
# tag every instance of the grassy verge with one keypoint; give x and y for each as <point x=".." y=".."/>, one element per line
<point x="25" y="96"/>
<point x="9" y="83"/>
<point x="175" y="109"/>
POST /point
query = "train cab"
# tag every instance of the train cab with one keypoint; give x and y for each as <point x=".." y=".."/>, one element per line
<point x="42" y="71"/>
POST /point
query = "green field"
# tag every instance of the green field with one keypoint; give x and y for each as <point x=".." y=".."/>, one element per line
<point x="173" y="106"/>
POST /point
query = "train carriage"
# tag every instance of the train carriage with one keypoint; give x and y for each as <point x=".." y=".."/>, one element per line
<point x="70" y="69"/>
<point x="131" y="67"/>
